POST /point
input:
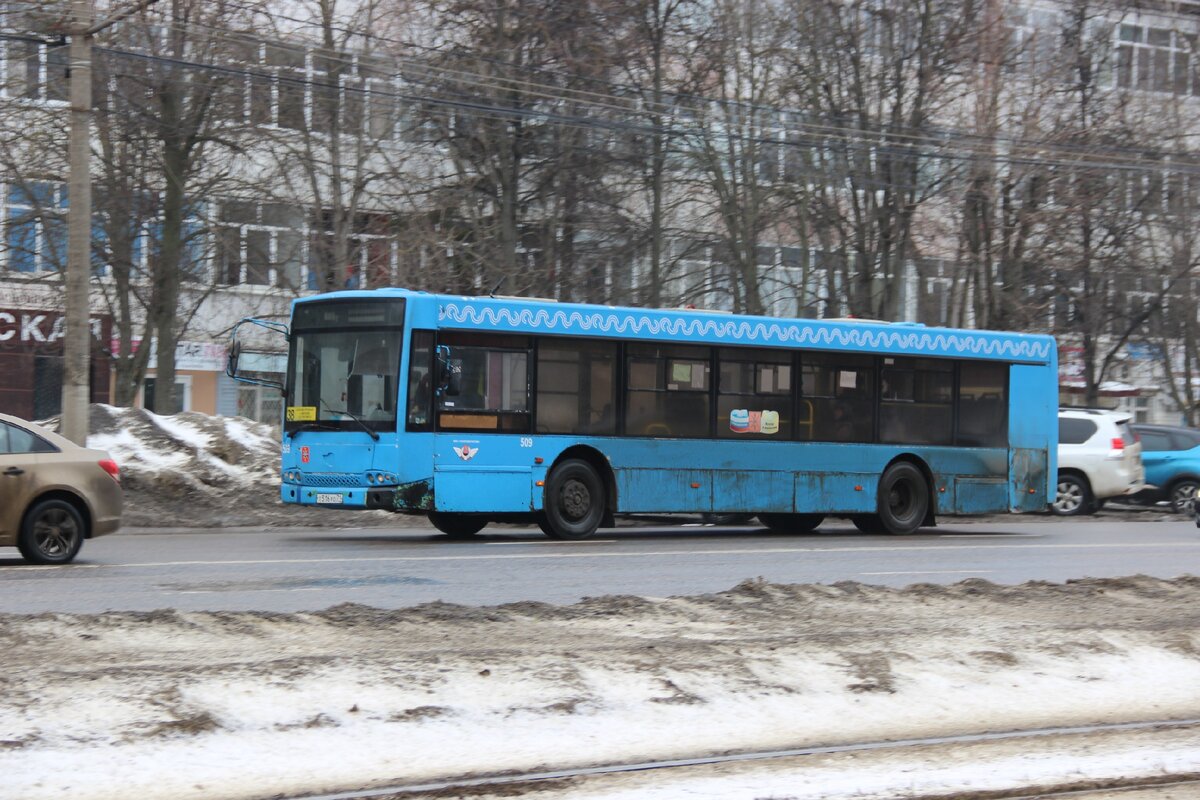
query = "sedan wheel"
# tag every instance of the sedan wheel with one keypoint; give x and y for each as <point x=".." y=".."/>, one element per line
<point x="52" y="533"/>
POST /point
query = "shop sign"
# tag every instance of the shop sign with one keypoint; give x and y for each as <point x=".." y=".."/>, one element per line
<point x="194" y="356"/>
<point x="38" y="327"/>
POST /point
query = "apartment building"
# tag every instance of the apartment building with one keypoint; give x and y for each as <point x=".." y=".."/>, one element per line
<point x="264" y="235"/>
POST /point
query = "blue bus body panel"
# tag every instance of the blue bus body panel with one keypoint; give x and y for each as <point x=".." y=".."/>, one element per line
<point x="568" y="319"/>
<point x="1033" y="435"/>
<point x="500" y="474"/>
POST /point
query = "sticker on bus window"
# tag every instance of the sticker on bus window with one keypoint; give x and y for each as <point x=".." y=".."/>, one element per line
<point x="301" y="413"/>
<point x="742" y="420"/>
<point x="847" y="379"/>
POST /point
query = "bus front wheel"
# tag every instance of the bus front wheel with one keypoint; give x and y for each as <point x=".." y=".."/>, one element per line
<point x="574" y="503"/>
<point x="903" y="498"/>
<point x="791" y="523"/>
<point x="457" y="526"/>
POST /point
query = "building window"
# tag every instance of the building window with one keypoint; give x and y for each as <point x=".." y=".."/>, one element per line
<point x="1154" y="60"/>
<point x="183" y="394"/>
<point x="35" y="71"/>
<point x="35" y="226"/>
<point x="260" y="403"/>
<point x="260" y="244"/>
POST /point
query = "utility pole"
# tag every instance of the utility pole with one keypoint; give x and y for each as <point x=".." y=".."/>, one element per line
<point x="77" y="341"/>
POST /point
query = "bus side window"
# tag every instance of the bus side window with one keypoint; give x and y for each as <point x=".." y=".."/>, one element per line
<point x="576" y="386"/>
<point x="754" y="394"/>
<point x="420" y="380"/>
<point x="839" y="390"/>
<point x="667" y="391"/>
<point x="915" y="401"/>
<point x="492" y="382"/>
<point x="983" y="404"/>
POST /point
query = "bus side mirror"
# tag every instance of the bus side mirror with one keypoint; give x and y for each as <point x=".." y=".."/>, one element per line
<point x="234" y="359"/>
<point x="235" y="355"/>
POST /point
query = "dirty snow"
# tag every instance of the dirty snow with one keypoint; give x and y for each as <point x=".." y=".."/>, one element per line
<point x="250" y="705"/>
<point x="196" y="470"/>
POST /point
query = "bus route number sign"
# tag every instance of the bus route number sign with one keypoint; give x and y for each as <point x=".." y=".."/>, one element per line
<point x="301" y="413"/>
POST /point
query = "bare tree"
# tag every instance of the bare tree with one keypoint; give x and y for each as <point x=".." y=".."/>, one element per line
<point x="875" y="77"/>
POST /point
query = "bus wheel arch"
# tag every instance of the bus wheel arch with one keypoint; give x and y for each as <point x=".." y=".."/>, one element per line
<point x="912" y="471"/>
<point x="578" y="463"/>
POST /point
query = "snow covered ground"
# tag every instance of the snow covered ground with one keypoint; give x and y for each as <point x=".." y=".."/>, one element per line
<point x="181" y="705"/>
<point x="254" y="705"/>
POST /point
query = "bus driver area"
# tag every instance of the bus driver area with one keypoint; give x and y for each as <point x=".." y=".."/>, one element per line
<point x="564" y="415"/>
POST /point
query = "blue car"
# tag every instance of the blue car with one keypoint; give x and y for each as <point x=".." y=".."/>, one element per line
<point x="1172" y="459"/>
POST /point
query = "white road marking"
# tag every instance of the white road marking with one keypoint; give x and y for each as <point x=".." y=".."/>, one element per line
<point x="43" y="567"/>
<point x="246" y="591"/>
<point x="936" y="572"/>
<point x="976" y="536"/>
<point x="552" y="541"/>
<point x="646" y="554"/>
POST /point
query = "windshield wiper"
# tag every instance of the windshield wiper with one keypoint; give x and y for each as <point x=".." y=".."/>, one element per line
<point x="361" y="424"/>
<point x="312" y="426"/>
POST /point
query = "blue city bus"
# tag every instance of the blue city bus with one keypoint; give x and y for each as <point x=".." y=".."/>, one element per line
<point x="472" y="410"/>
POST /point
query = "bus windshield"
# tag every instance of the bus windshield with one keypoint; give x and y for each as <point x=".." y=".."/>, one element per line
<point x="343" y="367"/>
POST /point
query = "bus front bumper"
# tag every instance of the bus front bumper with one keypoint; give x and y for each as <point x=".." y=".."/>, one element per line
<point x="352" y="497"/>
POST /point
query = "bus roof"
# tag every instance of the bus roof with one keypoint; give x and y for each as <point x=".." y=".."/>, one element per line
<point x="517" y="315"/>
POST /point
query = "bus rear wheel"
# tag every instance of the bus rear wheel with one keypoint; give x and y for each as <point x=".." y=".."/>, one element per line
<point x="791" y="523"/>
<point x="868" y="523"/>
<point x="574" y="501"/>
<point x="903" y="498"/>
<point x="457" y="526"/>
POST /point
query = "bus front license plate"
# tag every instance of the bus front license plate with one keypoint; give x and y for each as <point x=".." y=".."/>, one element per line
<point x="329" y="498"/>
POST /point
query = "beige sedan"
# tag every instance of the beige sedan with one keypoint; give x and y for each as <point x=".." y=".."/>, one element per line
<point x="53" y="493"/>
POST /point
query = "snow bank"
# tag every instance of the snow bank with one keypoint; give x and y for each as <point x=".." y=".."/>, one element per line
<point x="186" y="453"/>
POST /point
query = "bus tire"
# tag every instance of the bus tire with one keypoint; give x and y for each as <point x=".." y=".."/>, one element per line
<point x="457" y="526"/>
<point x="868" y="523"/>
<point x="574" y="501"/>
<point x="903" y="498"/>
<point x="791" y="523"/>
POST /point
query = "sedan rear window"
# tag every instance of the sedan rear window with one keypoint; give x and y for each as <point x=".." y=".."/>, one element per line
<point x="18" y="440"/>
<point x="1075" y="431"/>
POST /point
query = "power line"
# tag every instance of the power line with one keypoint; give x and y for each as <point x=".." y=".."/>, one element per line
<point x="931" y="136"/>
<point x="939" y="148"/>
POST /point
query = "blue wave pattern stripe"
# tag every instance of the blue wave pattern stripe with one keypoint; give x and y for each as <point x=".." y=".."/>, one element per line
<point x="746" y="332"/>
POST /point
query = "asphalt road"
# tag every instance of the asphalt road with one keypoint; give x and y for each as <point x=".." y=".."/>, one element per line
<point x="307" y="569"/>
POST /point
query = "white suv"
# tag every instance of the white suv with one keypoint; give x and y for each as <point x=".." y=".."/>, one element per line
<point x="1099" y="456"/>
